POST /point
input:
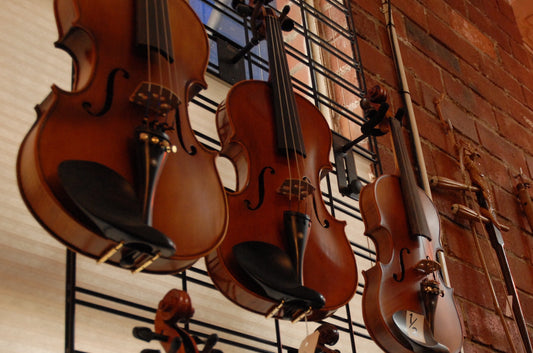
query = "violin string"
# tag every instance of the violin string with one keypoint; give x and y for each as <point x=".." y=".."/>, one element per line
<point x="157" y="31"/>
<point x="147" y="14"/>
<point x="168" y="38"/>
<point x="175" y="77"/>
<point x="277" y="74"/>
<point x="148" y="63"/>
<point x="289" y="103"/>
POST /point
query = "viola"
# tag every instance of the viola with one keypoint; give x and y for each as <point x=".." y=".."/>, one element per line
<point x="112" y="169"/>
<point x="283" y="254"/>
<point x="407" y="307"/>
<point x="175" y="307"/>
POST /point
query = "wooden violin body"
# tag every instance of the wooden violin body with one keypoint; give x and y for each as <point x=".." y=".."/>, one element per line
<point x="393" y="285"/>
<point x="283" y="252"/>
<point x="407" y="307"/>
<point x="245" y="125"/>
<point x="126" y="122"/>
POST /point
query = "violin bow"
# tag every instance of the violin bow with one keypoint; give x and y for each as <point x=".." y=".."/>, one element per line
<point x="493" y="230"/>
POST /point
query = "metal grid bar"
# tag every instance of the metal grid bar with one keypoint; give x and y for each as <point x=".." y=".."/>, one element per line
<point x="255" y="65"/>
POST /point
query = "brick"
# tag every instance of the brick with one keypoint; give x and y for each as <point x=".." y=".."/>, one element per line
<point x="366" y="27"/>
<point x="521" y="54"/>
<point x="376" y="62"/>
<point x="506" y="206"/>
<point x="437" y="7"/>
<point x="461" y="47"/>
<point x="412" y="9"/>
<point x="496" y="171"/>
<point x="519" y="112"/>
<point x="516" y="69"/>
<point x="526" y="302"/>
<point x="469" y="283"/>
<point x="373" y="7"/>
<point x="432" y="48"/>
<point x="485" y="327"/>
<point x="516" y="133"/>
<point x="523" y="276"/>
<point x="429" y="95"/>
<point x="491" y="9"/>
<point x="518" y="243"/>
<point x="471" y="33"/>
<point x="472" y="347"/>
<point x="486" y="25"/>
<point x="528" y="94"/>
<point x="459" y="241"/>
<point x="484" y="87"/>
<point x="423" y="68"/>
<point x="462" y="122"/>
<point x="472" y="102"/>
<point x="500" y="77"/>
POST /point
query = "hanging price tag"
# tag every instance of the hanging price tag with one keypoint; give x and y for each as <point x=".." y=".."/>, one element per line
<point x="415" y="326"/>
<point x="308" y="345"/>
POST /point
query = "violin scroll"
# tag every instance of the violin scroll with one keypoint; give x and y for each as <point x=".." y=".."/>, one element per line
<point x="173" y="308"/>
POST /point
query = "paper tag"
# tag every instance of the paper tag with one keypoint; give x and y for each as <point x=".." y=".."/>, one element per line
<point x="415" y="326"/>
<point x="308" y="345"/>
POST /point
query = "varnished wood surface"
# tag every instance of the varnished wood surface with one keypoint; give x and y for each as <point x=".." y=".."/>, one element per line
<point x="32" y="263"/>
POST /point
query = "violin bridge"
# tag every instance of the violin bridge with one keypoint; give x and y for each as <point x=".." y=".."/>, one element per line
<point x="296" y="188"/>
<point x="110" y="252"/>
<point x="427" y="266"/>
<point x="156" y="98"/>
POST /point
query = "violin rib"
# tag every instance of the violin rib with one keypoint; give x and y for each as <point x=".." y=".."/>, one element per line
<point x="174" y="178"/>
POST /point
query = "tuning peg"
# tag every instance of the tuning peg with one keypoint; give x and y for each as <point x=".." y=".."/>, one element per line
<point x="145" y="334"/>
<point x="286" y="23"/>
<point x="241" y="8"/>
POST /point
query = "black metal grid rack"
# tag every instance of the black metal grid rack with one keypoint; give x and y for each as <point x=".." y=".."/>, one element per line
<point x="326" y="50"/>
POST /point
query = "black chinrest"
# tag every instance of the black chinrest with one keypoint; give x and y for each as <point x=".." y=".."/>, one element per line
<point x="111" y="203"/>
<point x="274" y="271"/>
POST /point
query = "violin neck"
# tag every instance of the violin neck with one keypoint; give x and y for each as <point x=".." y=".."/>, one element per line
<point x="288" y="128"/>
<point x="410" y="190"/>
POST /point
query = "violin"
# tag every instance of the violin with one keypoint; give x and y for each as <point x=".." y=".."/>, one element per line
<point x="175" y="307"/>
<point x="407" y="307"/>
<point x="283" y="254"/>
<point x="112" y="169"/>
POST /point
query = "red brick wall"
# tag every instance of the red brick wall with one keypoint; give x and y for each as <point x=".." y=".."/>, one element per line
<point x="472" y="52"/>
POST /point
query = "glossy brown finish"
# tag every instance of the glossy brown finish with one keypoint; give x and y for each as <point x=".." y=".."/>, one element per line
<point x="175" y="307"/>
<point x="385" y="222"/>
<point x="189" y="203"/>
<point x="246" y="129"/>
<point x="407" y="306"/>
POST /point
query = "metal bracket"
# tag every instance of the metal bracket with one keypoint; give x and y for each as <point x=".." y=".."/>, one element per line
<point x="347" y="179"/>
<point x="231" y="67"/>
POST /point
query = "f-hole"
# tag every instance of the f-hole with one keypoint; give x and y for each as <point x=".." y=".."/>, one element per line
<point x="399" y="278"/>
<point x="261" y="189"/>
<point x="110" y="88"/>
